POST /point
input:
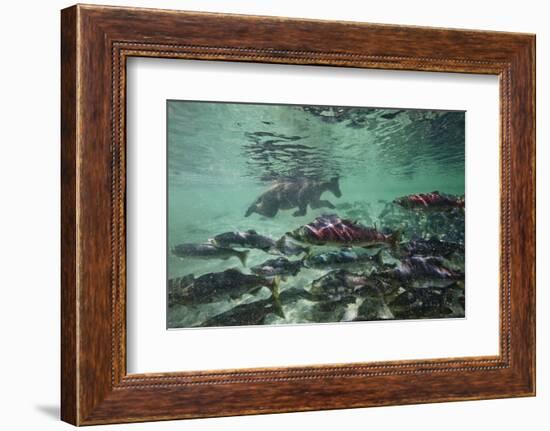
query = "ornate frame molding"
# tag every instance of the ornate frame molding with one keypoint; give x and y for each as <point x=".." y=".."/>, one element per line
<point x="96" y="41"/>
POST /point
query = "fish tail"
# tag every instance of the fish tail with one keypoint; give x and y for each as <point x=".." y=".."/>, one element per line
<point x="378" y="258"/>
<point x="274" y="287"/>
<point x="307" y="254"/>
<point x="395" y="238"/>
<point x="243" y="256"/>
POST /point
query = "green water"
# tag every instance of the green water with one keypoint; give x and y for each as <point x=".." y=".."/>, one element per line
<point x="222" y="156"/>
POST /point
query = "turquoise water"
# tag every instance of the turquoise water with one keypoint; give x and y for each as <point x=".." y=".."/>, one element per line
<point x="222" y="156"/>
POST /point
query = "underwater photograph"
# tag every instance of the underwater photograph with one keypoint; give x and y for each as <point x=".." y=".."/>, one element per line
<point x="306" y="214"/>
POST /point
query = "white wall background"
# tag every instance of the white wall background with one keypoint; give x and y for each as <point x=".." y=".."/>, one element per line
<point x="29" y="215"/>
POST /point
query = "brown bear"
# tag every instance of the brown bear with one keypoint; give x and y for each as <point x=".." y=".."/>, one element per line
<point x="300" y="193"/>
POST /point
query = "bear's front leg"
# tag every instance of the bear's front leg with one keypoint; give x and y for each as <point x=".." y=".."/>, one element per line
<point x="302" y="211"/>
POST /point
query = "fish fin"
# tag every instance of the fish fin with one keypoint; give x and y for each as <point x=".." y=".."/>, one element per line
<point x="383" y="213"/>
<point x="278" y="308"/>
<point x="280" y="243"/>
<point x="273" y="251"/>
<point x="396" y="238"/>
<point x="242" y="255"/>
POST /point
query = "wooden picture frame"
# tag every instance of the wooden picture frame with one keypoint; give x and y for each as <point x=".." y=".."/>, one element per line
<point x="96" y="41"/>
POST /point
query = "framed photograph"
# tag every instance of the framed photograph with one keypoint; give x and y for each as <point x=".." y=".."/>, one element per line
<point x="310" y="260"/>
<point x="264" y="214"/>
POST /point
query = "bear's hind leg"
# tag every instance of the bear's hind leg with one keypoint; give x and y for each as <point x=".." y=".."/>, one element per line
<point x="327" y="204"/>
